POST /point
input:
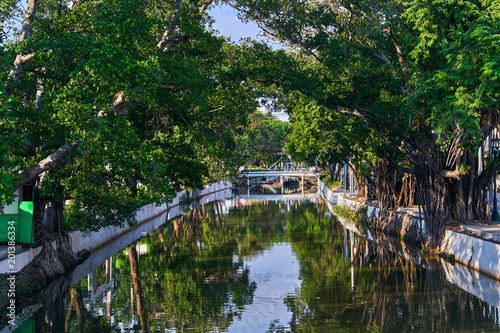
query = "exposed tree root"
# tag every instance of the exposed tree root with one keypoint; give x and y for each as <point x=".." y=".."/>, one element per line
<point x="55" y="259"/>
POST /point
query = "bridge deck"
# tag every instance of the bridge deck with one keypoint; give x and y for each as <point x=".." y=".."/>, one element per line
<point x="296" y="173"/>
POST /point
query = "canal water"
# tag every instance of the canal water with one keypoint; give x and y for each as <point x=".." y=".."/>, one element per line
<point x="266" y="264"/>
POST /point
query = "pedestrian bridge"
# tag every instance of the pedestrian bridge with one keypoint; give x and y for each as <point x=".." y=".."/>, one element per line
<point x="255" y="176"/>
<point x="277" y="173"/>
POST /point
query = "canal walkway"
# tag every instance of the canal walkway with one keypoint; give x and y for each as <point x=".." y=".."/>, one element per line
<point x="487" y="232"/>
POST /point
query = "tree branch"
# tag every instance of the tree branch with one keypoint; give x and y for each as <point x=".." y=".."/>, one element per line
<point x="205" y="5"/>
<point x="42" y="75"/>
<point x="399" y="53"/>
<point x="245" y="72"/>
<point x="450" y="173"/>
<point x="47" y="163"/>
<point x="119" y="106"/>
<point x="26" y="31"/>
<point x="218" y="109"/>
<point x="291" y="40"/>
<point x="163" y="44"/>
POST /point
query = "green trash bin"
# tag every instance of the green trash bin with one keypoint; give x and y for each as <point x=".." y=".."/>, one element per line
<point x="20" y="221"/>
<point x="25" y="232"/>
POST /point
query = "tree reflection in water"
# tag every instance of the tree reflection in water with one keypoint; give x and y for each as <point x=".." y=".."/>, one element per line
<point x="381" y="286"/>
<point x="191" y="274"/>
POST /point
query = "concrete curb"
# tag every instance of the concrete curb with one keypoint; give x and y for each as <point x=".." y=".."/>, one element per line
<point x="328" y="194"/>
<point x="476" y="253"/>
<point x="489" y="232"/>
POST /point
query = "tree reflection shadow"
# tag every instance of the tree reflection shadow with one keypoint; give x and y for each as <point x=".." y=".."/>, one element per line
<point x="381" y="284"/>
<point x="190" y="274"/>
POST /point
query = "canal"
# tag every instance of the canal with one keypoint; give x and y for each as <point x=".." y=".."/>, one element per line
<point x="263" y="264"/>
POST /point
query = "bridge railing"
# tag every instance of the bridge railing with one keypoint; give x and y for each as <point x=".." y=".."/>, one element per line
<point x="279" y="172"/>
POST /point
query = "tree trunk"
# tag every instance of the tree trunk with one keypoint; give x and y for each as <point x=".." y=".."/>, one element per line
<point x="387" y="183"/>
<point x="435" y="206"/>
<point x="359" y="181"/>
<point x="369" y="188"/>
<point x="332" y="170"/>
<point x="407" y="196"/>
<point x="49" y="218"/>
<point x="459" y="195"/>
<point x="57" y="256"/>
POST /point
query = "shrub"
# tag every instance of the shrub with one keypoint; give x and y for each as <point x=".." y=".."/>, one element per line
<point x="356" y="216"/>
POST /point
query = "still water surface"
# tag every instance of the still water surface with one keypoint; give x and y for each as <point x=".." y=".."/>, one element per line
<point x="242" y="265"/>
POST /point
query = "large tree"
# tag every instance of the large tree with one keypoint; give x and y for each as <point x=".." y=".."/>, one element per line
<point x="126" y="111"/>
<point x="121" y="103"/>
<point x="422" y="74"/>
<point x="334" y="140"/>
<point x="264" y="140"/>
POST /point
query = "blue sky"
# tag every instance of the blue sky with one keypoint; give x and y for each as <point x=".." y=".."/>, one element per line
<point x="229" y="25"/>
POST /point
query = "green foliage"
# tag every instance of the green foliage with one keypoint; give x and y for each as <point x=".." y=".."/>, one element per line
<point x="11" y="13"/>
<point x="357" y="216"/>
<point x="263" y="141"/>
<point x="11" y="139"/>
<point x="175" y="118"/>
<point x="326" y="178"/>
<point x="331" y="138"/>
<point x="334" y="184"/>
<point x="7" y="140"/>
<point x="458" y="41"/>
<point x="412" y="85"/>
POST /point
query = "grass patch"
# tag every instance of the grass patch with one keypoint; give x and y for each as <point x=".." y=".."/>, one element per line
<point x="334" y="184"/>
<point x="358" y="216"/>
<point x="325" y="178"/>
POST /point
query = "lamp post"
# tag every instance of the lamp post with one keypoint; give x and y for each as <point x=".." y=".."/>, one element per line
<point x="495" y="145"/>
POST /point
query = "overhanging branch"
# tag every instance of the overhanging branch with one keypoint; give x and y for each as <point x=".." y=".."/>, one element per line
<point x="163" y="44"/>
<point x="47" y="163"/>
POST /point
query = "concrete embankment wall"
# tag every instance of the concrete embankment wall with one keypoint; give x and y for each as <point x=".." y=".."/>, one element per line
<point x="92" y="241"/>
<point x="342" y="199"/>
<point x="327" y="194"/>
<point x="405" y="223"/>
<point x="477" y="253"/>
<point x="474" y="252"/>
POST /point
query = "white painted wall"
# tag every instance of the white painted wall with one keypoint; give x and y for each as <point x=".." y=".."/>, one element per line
<point x="477" y="253"/>
<point x="13" y="208"/>
<point x="94" y="240"/>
